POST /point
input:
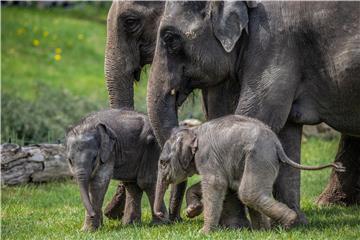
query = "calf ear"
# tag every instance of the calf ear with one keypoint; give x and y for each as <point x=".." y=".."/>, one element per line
<point x="229" y="18"/>
<point x="185" y="161"/>
<point x="107" y="141"/>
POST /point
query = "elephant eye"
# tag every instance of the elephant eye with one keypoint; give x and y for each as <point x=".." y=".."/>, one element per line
<point x="172" y="42"/>
<point x="70" y="161"/>
<point x="131" y="24"/>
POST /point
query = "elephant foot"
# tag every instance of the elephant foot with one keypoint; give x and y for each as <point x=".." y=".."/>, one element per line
<point x="92" y="224"/>
<point x="206" y="230"/>
<point x="343" y="188"/>
<point x="194" y="210"/>
<point x="235" y="223"/>
<point x="115" y="209"/>
<point x="158" y="221"/>
<point x="88" y="228"/>
<point x="131" y="218"/>
<point x="291" y="219"/>
<point x="299" y="219"/>
<point x="175" y="218"/>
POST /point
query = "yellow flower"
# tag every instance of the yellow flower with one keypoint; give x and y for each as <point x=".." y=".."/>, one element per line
<point x="36" y="42"/>
<point x="45" y="33"/>
<point x="80" y="36"/>
<point x="57" y="57"/>
<point x="57" y="50"/>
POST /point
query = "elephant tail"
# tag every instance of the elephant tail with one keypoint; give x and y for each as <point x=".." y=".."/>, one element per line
<point x="285" y="159"/>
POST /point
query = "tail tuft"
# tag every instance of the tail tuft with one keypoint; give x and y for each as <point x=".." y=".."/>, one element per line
<point x="339" y="167"/>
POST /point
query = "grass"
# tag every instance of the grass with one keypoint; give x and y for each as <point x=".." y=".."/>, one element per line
<point x="54" y="211"/>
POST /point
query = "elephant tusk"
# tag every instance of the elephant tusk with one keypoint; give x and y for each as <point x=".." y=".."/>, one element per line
<point x="173" y="92"/>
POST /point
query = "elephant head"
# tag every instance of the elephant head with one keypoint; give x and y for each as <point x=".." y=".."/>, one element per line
<point x="131" y="37"/>
<point x="197" y="46"/>
<point x="86" y="150"/>
<point x="176" y="163"/>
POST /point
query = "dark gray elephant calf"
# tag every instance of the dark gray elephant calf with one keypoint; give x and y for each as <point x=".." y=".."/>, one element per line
<point x="116" y="144"/>
<point x="232" y="152"/>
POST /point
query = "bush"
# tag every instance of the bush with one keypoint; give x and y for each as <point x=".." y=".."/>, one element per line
<point x="44" y="119"/>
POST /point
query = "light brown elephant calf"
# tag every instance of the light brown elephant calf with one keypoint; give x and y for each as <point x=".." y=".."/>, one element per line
<point x="234" y="152"/>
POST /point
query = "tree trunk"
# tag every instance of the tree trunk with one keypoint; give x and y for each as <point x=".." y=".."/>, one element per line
<point x="344" y="187"/>
<point x="36" y="163"/>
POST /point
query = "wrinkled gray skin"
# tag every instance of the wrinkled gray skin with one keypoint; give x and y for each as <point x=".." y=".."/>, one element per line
<point x="131" y="38"/>
<point x="130" y="44"/>
<point x="284" y="63"/>
<point x="233" y="152"/>
<point x="113" y="144"/>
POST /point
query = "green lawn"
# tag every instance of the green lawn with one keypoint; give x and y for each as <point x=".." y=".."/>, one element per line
<point x="54" y="211"/>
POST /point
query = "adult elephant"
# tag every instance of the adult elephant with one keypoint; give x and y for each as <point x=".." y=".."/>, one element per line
<point x="131" y="39"/>
<point x="285" y="63"/>
<point x="130" y="45"/>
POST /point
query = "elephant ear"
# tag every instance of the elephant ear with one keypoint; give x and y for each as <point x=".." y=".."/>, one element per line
<point x="190" y="143"/>
<point x="229" y="18"/>
<point x="107" y="141"/>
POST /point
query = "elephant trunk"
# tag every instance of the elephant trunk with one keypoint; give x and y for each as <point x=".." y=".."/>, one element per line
<point x="161" y="102"/>
<point x="119" y="84"/>
<point x="122" y="65"/>
<point x="84" y="193"/>
<point x="161" y="187"/>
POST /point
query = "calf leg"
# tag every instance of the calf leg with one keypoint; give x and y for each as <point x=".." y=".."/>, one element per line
<point x="258" y="220"/>
<point x="115" y="208"/>
<point x="214" y="191"/>
<point x="97" y="190"/>
<point x="256" y="188"/>
<point x="193" y="201"/>
<point x="132" y="212"/>
<point x="233" y="214"/>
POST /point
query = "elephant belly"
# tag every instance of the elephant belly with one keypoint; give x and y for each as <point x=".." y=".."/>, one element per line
<point x="125" y="175"/>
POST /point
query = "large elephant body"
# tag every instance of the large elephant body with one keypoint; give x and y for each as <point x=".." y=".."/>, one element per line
<point x="284" y="63"/>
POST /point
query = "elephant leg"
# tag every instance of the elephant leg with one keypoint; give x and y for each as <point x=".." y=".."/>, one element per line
<point x="256" y="190"/>
<point x="344" y="187"/>
<point x="233" y="214"/>
<point x="176" y="198"/>
<point x="213" y="197"/>
<point x="258" y="220"/>
<point x="287" y="185"/>
<point x="132" y="212"/>
<point x="150" y="192"/>
<point x="97" y="190"/>
<point x="115" y="208"/>
<point x="193" y="201"/>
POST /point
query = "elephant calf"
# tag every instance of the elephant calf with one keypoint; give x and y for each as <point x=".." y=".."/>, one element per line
<point x="232" y="152"/>
<point x="116" y="144"/>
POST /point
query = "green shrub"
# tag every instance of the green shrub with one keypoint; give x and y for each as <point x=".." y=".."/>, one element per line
<point x="44" y="119"/>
